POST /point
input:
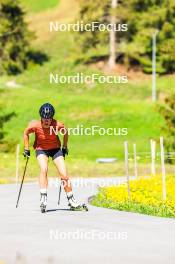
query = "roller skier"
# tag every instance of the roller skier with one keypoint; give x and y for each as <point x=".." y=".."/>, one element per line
<point x="47" y="144"/>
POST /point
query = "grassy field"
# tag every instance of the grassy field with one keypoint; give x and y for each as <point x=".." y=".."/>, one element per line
<point x="39" y="5"/>
<point x="117" y="106"/>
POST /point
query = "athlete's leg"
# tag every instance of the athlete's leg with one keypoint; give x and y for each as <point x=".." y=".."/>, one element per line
<point x="43" y="163"/>
<point x="60" y="164"/>
<point x="61" y="167"/>
<point x="43" y="182"/>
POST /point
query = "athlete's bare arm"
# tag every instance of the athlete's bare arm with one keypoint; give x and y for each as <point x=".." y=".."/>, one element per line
<point x="26" y="139"/>
<point x="30" y="129"/>
<point x="65" y="138"/>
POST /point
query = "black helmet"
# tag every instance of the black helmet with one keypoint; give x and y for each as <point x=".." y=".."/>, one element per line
<point x="47" y="111"/>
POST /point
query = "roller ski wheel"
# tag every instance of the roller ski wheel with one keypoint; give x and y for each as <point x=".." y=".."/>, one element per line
<point x="82" y="207"/>
<point x="43" y="208"/>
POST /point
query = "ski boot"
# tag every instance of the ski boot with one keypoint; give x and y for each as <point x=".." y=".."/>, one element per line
<point x="74" y="206"/>
<point x="43" y="201"/>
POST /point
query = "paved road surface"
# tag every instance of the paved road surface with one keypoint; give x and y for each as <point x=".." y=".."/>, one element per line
<point x="101" y="236"/>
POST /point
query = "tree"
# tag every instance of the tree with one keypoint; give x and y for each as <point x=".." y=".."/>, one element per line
<point x="134" y="46"/>
<point x="112" y="42"/>
<point x="14" y="38"/>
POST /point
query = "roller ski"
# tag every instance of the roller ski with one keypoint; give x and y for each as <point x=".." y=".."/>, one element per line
<point x="43" y="202"/>
<point x="74" y="206"/>
<point x="81" y="207"/>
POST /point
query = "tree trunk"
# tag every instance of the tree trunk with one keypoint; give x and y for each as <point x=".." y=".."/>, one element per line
<point x="112" y="37"/>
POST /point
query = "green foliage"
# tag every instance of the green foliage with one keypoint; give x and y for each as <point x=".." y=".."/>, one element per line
<point x="91" y="11"/>
<point x="14" y="38"/>
<point x="4" y="119"/>
<point x="143" y="17"/>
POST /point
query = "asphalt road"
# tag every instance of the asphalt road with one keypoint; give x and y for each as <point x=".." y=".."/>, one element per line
<point x="61" y="236"/>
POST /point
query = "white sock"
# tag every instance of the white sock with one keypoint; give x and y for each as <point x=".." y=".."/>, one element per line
<point x="69" y="194"/>
<point x="43" y="191"/>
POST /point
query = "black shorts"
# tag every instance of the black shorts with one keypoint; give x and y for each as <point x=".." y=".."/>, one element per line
<point x="53" y="153"/>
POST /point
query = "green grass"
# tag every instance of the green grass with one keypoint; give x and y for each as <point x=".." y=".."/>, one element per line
<point x="39" y="5"/>
<point x="161" y="210"/>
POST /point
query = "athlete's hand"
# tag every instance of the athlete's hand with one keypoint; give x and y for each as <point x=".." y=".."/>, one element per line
<point x="65" y="151"/>
<point x="26" y="153"/>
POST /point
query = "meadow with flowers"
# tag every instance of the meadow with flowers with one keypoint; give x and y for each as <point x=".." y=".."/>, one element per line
<point x="146" y="197"/>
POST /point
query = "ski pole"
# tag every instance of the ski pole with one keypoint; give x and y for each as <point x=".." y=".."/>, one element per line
<point x="59" y="195"/>
<point x="22" y="181"/>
